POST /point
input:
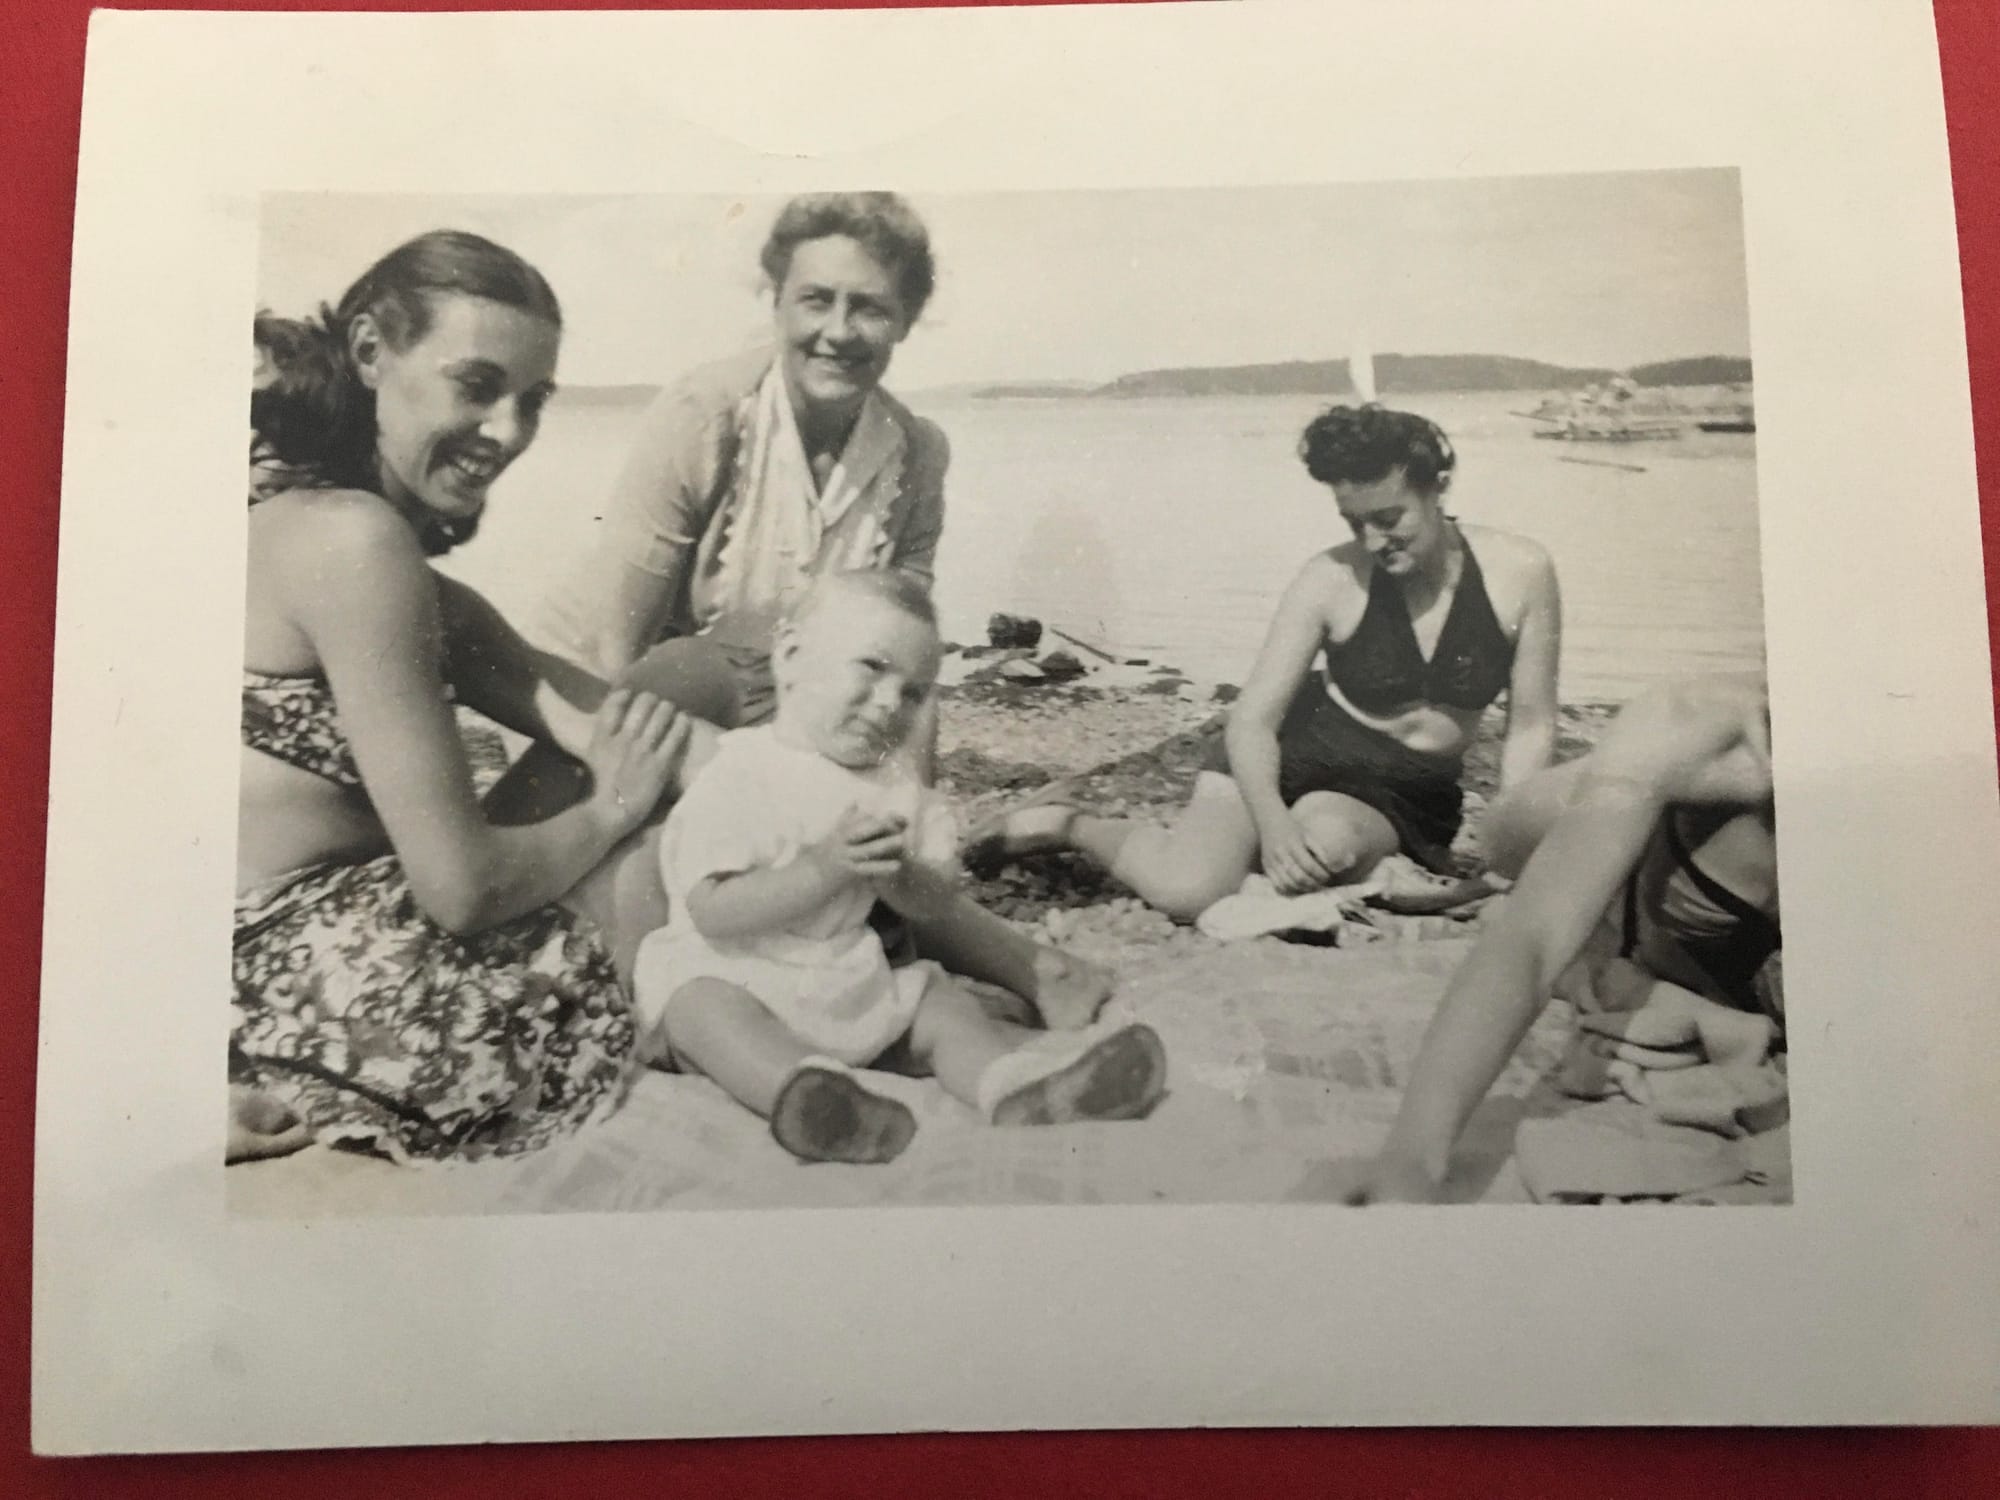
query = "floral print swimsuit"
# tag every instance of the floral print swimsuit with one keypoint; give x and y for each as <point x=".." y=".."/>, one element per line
<point x="385" y="1032"/>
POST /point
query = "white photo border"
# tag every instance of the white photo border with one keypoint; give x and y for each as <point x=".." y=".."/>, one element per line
<point x="160" y="1324"/>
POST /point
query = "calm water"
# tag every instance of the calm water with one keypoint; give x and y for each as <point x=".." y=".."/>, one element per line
<point x="1167" y="527"/>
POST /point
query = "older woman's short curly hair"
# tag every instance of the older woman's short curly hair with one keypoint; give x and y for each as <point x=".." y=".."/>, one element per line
<point x="881" y="223"/>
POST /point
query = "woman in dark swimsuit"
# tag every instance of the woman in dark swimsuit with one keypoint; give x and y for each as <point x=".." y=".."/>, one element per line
<point x="1647" y="895"/>
<point x="1422" y="623"/>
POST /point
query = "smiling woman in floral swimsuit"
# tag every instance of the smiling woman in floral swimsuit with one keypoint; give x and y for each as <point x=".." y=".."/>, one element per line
<point x="412" y="976"/>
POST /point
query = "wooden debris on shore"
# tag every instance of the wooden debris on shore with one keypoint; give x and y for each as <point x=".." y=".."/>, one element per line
<point x="1602" y="463"/>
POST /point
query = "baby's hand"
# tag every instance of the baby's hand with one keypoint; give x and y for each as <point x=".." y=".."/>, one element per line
<point x="866" y="846"/>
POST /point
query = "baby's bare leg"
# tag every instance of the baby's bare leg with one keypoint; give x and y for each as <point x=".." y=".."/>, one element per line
<point x="725" y="1032"/>
<point x="1014" y="1076"/>
<point x="818" y="1110"/>
<point x="967" y="939"/>
<point x="956" y="1041"/>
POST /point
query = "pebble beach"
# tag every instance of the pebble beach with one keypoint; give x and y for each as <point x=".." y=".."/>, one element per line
<point x="1125" y="739"/>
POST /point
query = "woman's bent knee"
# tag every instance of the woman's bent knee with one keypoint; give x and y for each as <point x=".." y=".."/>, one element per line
<point x="1185" y="894"/>
<point x="1350" y="836"/>
<point x="691" y="673"/>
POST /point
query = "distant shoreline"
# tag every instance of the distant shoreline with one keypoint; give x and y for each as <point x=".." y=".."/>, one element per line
<point x="1396" y="375"/>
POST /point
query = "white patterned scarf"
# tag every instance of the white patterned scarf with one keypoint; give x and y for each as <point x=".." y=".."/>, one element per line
<point x="783" y="528"/>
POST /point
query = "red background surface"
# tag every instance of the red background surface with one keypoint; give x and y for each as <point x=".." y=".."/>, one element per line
<point x="41" y="67"/>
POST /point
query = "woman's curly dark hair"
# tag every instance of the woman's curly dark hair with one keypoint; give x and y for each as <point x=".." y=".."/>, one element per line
<point x="883" y="224"/>
<point x="309" y="409"/>
<point x="1365" y="444"/>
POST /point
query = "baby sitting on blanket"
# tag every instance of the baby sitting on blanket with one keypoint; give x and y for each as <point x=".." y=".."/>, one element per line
<point x="769" y="978"/>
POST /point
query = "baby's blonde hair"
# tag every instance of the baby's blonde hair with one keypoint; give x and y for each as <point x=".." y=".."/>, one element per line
<point x="901" y="591"/>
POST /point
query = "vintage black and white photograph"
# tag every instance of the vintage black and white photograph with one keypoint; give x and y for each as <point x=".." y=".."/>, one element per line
<point x="871" y="698"/>
<point x="1085" y="716"/>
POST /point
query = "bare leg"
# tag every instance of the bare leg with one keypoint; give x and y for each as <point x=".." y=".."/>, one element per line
<point x="693" y="673"/>
<point x="1183" y="869"/>
<point x="1019" y="1077"/>
<point x="546" y="781"/>
<point x="818" y="1110"/>
<point x="967" y="939"/>
<point x="722" y="1030"/>
<point x="623" y="896"/>
<point x="955" y="1041"/>
<point x="1350" y="837"/>
<point x="1517" y="821"/>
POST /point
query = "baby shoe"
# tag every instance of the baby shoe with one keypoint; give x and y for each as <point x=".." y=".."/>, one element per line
<point x="825" y="1113"/>
<point x="1060" y="1078"/>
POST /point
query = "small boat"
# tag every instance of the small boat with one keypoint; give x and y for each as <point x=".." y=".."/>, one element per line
<point x="1640" y="430"/>
<point x="1728" y="424"/>
<point x="1609" y="413"/>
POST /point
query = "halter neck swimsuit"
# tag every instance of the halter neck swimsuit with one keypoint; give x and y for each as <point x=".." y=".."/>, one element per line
<point x="1324" y="748"/>
<point x="1381" y="666"/>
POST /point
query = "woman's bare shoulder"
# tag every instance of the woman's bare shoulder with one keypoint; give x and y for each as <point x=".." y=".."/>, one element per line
<point x="1338" y="568"/>
<point x="1518" y="569"/>
<point x="1507" y="552"/>
<point x="340" y="536"/>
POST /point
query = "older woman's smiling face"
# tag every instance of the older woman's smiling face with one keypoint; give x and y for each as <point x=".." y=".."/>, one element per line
<point x="840" y="317"/>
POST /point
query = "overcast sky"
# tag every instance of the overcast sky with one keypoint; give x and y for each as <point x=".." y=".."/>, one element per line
<point x="1614" y="270"/>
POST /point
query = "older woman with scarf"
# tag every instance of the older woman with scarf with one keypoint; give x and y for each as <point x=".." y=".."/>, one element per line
<point x="756" y="474"/>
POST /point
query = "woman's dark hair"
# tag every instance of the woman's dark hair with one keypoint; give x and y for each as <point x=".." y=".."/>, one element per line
<point x="881" y="223"/>
<point x="1365" y="444"/>
<point x="309" y="408"/>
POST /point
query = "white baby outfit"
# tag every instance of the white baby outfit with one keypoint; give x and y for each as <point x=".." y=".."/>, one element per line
<point x="756" y="805"/>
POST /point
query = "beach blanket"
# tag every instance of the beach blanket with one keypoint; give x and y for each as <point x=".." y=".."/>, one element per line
<point x="1280" y="1056"/>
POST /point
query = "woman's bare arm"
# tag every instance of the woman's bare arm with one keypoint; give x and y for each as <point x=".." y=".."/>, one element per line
<point x="1292" y="639"/>
<point x="631" y="607"/>
<point x="1506" y="980"/>
<point x="498" y="673"/>
<point x="381" y="647"/>
<point x="1530" y="744"/>
<point x="1703" y="741"/>
<point x="653" y="519"/>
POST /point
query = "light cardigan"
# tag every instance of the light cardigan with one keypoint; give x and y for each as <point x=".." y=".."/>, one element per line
<point x="717" y="499"/>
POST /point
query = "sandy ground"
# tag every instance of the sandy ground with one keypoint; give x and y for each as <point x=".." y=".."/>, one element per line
<point x="1280" y="1056"/>
<point x="1281" y="1053"/>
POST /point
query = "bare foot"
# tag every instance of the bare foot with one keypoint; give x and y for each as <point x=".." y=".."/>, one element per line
<point x="259" y="1127"/>
<point x="1069" y="991"/>
<point x="1036" y="828"/>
